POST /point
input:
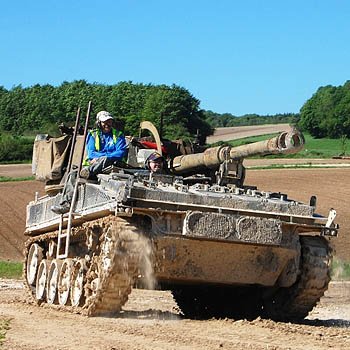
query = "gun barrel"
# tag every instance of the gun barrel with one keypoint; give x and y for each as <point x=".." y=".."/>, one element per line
<point x="285" y="143"/>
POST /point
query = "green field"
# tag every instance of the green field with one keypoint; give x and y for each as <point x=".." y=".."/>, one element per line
<point x="314" y="148"/>
<point x="11" y="270"/>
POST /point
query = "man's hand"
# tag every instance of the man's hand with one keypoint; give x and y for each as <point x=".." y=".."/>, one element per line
<point x="92" y="161"/>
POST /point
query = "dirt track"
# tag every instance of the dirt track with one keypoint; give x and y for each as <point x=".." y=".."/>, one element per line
<point x="150" y="320"/>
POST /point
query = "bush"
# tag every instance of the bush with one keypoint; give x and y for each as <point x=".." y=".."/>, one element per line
<point x="15" y="148"/>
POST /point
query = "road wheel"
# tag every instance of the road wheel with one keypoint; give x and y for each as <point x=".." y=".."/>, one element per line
<point x="77" y="285"/>
<point x="35" y="256"/>
<point x="41" y="278"/>
<point x="52" y="281"/>
<point x="64" y="281"/>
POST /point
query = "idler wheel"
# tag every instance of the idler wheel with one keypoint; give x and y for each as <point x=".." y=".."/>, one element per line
<point x="40" y="288"/>
<point x="64" y="281"/>
<point x="35" y="256"/>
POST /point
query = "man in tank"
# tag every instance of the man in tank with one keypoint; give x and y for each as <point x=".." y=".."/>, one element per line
<point x="105" y="146"/>
<point x="155" y="163"/>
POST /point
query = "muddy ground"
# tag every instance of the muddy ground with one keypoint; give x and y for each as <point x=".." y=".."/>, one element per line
<point x="151" y="320"/>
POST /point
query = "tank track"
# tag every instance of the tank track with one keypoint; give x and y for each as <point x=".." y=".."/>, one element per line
<point x="294" y="303"/>
<point x="286" y="304"/>
<point x="111" y="255"/>
<point x="207" y="301"/>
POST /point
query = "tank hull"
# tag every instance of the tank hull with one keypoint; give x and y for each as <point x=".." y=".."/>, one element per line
<point x="137" y="229"/>
<point x="197" y="261"/>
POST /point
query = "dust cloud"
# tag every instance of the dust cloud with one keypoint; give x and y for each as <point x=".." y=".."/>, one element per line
<point x="146" y="262"/>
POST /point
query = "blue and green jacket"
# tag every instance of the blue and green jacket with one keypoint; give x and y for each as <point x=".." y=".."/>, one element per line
<point x="110" y="145"/>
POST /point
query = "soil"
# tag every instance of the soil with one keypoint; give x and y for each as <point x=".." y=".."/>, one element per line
<point x="15" y="170"/>
<point x="151" y="320"/>
<point x="14" y="196"/>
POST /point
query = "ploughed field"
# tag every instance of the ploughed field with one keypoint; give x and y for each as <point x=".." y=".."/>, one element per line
<point x="239" y="132"/>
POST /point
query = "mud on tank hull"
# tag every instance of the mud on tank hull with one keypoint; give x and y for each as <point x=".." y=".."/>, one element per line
<point x="208" y="244"/>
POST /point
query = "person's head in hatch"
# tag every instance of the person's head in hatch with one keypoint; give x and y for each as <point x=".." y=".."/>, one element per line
<point x="155" y="162"/>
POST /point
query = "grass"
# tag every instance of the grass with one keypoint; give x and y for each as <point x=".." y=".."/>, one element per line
<point x="10" y="179"/>
<point x="340" y="270"/>
<point x="314" y="148"/>
<point x="12" y="270"/>
<point x="4" y="326"/>
<point x="320" y="148"/>
<point x="28" y="161"/>
<point x="290" y="166"/>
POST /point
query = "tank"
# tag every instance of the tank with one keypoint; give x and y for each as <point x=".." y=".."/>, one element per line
<point x="222" y="248"/>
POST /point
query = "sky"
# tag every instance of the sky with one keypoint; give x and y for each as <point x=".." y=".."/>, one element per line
<point x="234" y="56"/>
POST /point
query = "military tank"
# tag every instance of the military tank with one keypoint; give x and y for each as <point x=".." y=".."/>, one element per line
<point x="223" y="249"/>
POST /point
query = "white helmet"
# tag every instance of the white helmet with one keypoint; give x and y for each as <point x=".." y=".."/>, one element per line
<point x="103" y="116"/>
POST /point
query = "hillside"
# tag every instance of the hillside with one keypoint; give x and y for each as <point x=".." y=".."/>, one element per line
<point x="239" y="132"/>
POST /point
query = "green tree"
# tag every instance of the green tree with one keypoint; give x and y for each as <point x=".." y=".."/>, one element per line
<point x="327" y="112"/>
<point x="39" y="108"/>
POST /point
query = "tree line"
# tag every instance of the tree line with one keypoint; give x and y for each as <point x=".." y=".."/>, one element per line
<point x="40" y="108"/>
<point x="217" y="120"/>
